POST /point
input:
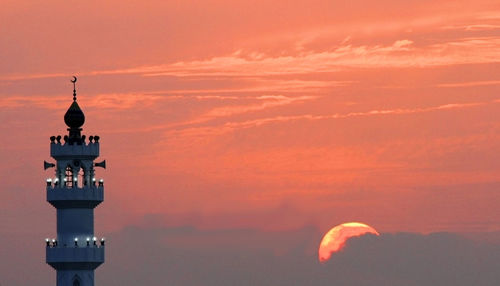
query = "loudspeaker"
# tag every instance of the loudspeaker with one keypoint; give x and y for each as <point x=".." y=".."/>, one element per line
<point x="101" y="164"/>
<point x="47" y="165"/>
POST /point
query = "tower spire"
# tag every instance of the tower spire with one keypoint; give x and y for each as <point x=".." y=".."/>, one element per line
<point x="74" y="118"/>
<point x="74" y="87"/>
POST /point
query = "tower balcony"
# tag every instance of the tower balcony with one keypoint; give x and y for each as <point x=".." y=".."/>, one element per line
<point x="75" y="258"/>
<point x="75" y="197"/>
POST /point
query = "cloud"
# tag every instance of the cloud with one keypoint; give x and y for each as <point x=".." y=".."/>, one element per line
<point x="185" y="255"/>
<point x="124" y="101"/>
<point x="100" y="101"/>
<point x="470" y="83"/>
<point x="473" y="27"/>
<point x="266" y="102"/>
<point x="229" y="126"/>
<point x="401" y="53"/>
<point x="189" y="256"/>
<point x="414" y="259"/>
<point x="20" y="101"/>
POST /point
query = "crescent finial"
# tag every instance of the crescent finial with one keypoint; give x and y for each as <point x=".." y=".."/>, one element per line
<point x="74" y="87"/>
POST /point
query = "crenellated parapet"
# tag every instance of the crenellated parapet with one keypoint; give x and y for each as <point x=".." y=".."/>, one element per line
<point x="85" y="150"/>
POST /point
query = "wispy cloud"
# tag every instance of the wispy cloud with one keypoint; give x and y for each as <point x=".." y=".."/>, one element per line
<point x="470" y="83"/>
<point x="16" y="101"/>
<point x="398" y="111"/>
<point x="124" y="101"/>
<point x="255" y="64"/>
<point x="252" y="85"/>
<point x="401" y="53"/>
<point x="112" y="101"/>
<point x="266" y="101"/>
<point x="15" y="77"/>
<point x="229" y="126"/>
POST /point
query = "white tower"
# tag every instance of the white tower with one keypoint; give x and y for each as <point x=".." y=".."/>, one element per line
<point x="74" y="192"/>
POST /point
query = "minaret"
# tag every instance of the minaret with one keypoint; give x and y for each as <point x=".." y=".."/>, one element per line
<point x="74" y="192"/>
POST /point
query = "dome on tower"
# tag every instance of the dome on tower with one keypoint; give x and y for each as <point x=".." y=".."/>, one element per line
<point x="74" y="117"/>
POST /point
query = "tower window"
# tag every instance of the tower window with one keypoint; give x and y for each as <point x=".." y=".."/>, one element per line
<point x="81" y="178"/>
<point x="69" y="177"/>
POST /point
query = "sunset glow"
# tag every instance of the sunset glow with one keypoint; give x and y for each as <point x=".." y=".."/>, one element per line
<point x="258" y="115"/>
<point x="373" y="106"/>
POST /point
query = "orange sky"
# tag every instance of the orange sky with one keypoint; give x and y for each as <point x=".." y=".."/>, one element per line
<point x="256" y="114"/>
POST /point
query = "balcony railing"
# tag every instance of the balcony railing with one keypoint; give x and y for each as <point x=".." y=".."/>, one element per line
<point x="86" y="197"/>
<point x="87" y="257"/>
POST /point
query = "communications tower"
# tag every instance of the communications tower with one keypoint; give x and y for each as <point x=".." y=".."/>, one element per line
<point x="75" y="192"/>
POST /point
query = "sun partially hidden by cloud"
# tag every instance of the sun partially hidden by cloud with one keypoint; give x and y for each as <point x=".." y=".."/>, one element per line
<point x="336" y="238"/>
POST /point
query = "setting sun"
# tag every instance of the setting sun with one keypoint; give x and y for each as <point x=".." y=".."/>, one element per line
<point x="335" y="239"/>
